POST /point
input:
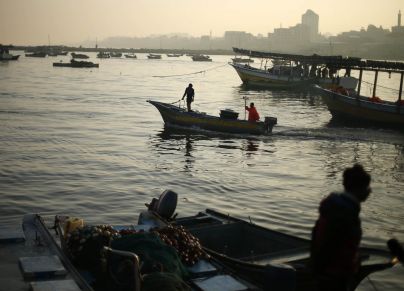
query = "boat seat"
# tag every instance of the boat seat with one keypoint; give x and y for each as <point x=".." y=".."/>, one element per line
<point x="202" y="269"/>
<point x="60" y="285"/>
<point x="41" y="267"/>
<point x="11" y="236"/>
<point x="220" y="283"/>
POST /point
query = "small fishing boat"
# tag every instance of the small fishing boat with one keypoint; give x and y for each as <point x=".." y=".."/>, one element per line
<point x="174" y="55"/>
<point x="350" y="106"/>
<point x="201" y="58"/>
<point x="289" y="71"/>
<point x="277" y="77"/>
<point x="269" y="259"/>
<point x="242" y="60"/>
<point x="130" y="56"/>
<point x="37" y="55"/>
<point x="5" y="56"/>
<point x="76" y="64"/>
<point x="227" y="122"/>
<point x="207" y="251"/>
<point x="154" y="56"/>
<point x="79" y="56"/>
<point x="103" y="55"/>
<point x="116" y="55"/>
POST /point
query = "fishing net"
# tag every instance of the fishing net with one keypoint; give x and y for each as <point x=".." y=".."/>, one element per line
<point x="154" y="254"/>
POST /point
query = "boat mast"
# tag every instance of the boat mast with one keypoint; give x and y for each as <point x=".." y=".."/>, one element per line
<point x="400" y="92"/>
<point x="360" y="82"/>
<point x="375" y="83"/>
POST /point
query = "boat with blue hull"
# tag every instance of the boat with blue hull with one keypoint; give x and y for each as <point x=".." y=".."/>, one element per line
<point x="227" y="123"/>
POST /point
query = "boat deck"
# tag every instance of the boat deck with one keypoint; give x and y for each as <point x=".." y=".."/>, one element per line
<point x="29" y="262"/>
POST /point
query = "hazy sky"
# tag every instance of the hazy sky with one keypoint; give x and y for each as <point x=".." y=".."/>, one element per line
<point x="72" y="21"/>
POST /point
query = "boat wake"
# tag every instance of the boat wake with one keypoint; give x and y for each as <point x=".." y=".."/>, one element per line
<point x="340" y="134"/>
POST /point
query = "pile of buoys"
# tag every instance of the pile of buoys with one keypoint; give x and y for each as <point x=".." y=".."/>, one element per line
<point x="188" y="246"/>
<point x="85" y="243"/>
<point x="341" y="90"/>
<point x="375" y="99"/>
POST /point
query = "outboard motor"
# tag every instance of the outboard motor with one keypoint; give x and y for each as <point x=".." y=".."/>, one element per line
<point x="270" y="122"/>
<point x="166" y="204"/>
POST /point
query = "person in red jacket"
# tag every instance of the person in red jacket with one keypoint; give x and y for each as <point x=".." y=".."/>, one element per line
<point x="337" y="233"/>
<point x="253" y="115"/>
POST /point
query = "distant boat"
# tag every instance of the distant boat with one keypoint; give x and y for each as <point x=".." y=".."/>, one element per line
<point x="6" y="56"/>
<point x="201" y="58"/>
<point x="115" y="54"/>
<point x="79" y="56"/>
<point x="242" y="60"/>
<point x="130" y="56"/>
<point x="103" y="55"/>
<point x="76" y="64"/>
<point x="154" y="56"/>
<point x="174" y="55"/>
<point x="37" y="55"/>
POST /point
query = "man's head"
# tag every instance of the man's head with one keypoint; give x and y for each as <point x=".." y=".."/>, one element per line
<point x="190" y="85"/>
<point x="252" y="104"/>
<point x="357" y="182"/>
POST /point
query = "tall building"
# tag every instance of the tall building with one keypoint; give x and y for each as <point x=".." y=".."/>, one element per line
<point x="398" y="30"/>
<point x="310" y="19"/>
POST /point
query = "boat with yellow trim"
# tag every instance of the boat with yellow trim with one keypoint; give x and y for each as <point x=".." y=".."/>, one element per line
<point x="351" y="106"/>
<point x="227" y="122"/>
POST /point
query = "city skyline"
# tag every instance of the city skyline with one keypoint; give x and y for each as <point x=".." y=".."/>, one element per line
<point x="25" y="22"/>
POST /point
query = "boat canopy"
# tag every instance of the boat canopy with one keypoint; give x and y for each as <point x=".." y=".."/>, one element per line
<point x="338" y="62"/>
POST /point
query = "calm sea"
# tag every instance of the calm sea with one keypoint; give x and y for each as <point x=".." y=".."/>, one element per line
<point x="85" y="142"/>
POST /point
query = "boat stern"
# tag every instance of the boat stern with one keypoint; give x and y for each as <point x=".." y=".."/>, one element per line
<point x="270" y="122"/>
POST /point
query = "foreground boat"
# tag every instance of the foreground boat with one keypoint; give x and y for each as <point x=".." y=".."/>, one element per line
<point x="227" y="123"/>
<point x="208" y="251"/>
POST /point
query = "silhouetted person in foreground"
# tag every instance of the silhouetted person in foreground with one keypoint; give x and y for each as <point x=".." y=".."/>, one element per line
<point x="253" y="115"/>
<point x="190" y="93"/>
<point x="337" y="233"/>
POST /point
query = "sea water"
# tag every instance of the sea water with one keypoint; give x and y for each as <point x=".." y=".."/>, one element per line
<point x="85" y="143"/>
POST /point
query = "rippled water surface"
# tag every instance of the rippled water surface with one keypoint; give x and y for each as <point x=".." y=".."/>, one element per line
<point x="85" y="142"/>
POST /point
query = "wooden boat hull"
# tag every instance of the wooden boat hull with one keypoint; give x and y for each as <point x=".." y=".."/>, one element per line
<point x="261" y="78"/>
<point x="362" y="110"/>
<point x="77" y="64"/>
<point x="9" y="57"/>
<point x="37" y="55"/>
<point x="79" y="56"/>
<point x="173" y="115"/>
<point x="270" y="259"/>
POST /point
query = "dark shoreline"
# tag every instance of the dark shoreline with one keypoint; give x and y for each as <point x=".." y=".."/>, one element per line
<point x="124" y="50"/>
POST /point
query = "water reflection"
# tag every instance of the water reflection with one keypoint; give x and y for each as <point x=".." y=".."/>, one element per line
<point x="250" y="146"/>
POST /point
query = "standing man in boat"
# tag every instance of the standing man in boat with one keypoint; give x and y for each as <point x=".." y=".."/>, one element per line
<point x="190" y="93"/>
<point x="337" y="233"/>
<point x="253" y="115"/>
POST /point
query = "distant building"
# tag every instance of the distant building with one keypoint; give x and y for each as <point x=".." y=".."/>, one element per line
<point x="310" y="19"/>
<point x="398" y="30"/>
<point x="238" y="38"/>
